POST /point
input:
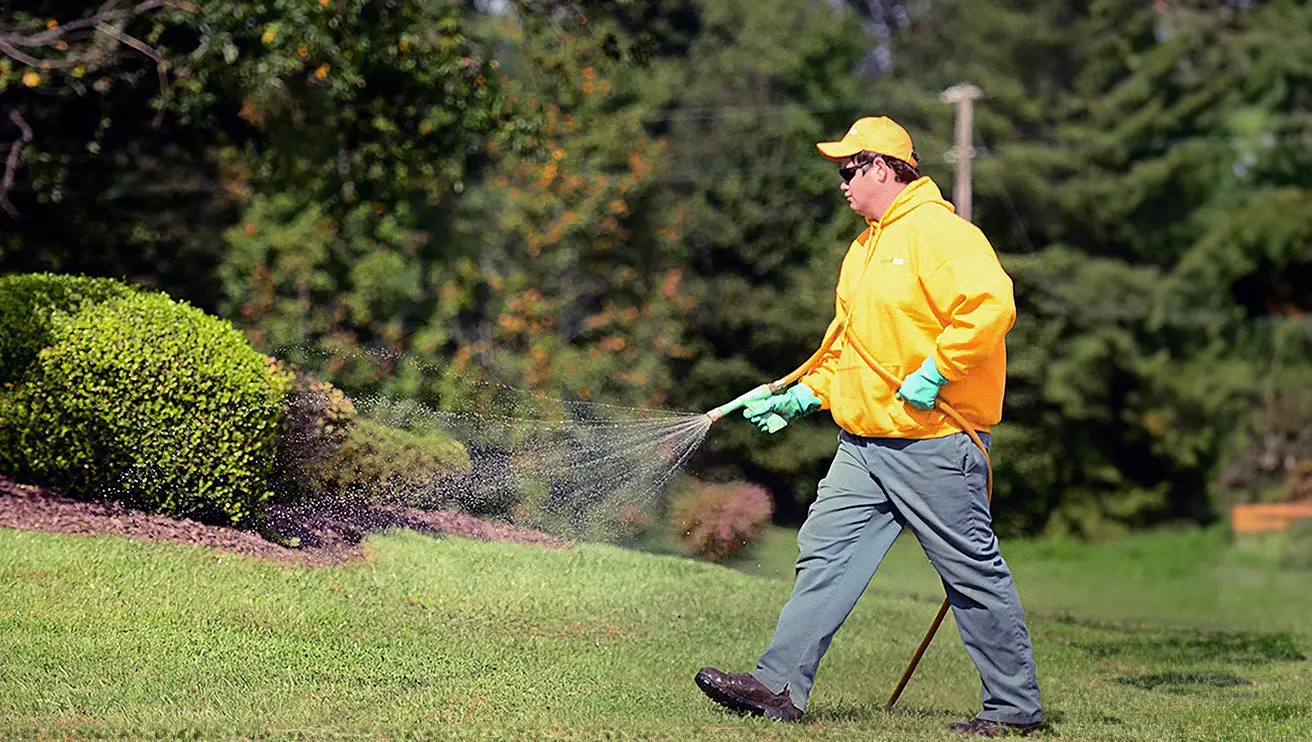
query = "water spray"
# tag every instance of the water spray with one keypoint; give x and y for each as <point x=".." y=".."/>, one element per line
<point x="578" y="469"/>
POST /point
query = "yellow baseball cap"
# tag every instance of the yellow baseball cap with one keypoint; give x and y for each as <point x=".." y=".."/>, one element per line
<point x="878" y="134"/>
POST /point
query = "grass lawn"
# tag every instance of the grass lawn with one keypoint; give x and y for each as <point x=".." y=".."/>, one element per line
<point x="1163" y="637"/>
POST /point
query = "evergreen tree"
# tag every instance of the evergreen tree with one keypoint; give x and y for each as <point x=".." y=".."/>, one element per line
<point x="1141" y="176"/>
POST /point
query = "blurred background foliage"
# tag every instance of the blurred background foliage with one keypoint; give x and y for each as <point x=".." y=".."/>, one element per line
<point x="621" y="202"/>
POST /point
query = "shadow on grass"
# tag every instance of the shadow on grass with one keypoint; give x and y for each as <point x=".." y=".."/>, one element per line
<point x="858" y="713"/>
<point x="872" y="713"/>
<point x="1232" y="649"/>
<point x="1183" y="681"/>
<point x="1185" y="646"/>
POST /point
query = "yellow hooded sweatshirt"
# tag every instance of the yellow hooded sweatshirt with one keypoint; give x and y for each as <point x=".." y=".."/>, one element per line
<point x="920" y="282"/>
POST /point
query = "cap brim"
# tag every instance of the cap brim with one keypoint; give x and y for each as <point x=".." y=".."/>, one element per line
<point x="837" y="150"/>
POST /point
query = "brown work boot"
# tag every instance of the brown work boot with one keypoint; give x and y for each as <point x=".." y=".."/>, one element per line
<point x="745" y="694"/>
<point x="990" y="728"/>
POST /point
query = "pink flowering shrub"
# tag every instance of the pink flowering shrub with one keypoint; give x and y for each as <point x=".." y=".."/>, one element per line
<point x="715" y="521"/>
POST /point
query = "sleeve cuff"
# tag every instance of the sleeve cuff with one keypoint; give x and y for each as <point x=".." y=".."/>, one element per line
<point x="823" y="399"/>
<point x="931" y="369"/>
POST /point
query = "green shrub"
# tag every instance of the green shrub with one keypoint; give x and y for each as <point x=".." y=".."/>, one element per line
<point x="148" y="401"/>
<point x="391" y="466"/>
<point x="317" y="418"/>
<point x="31" y="302"/>
<point x="715" y="521"/>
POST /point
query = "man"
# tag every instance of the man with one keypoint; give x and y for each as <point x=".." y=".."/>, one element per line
<point x="923" y="292"/>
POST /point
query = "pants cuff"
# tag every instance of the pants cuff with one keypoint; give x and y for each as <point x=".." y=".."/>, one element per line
<point x="1011" y="718"/>
<point x="778" y="686"/>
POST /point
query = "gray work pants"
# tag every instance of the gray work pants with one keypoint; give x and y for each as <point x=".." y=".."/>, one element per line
<point x="874" y="487"/>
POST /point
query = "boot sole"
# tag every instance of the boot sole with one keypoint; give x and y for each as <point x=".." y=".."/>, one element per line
<point x="737" y="703"/>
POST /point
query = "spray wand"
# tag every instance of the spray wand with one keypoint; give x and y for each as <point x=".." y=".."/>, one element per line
<point x="773" y="423"/>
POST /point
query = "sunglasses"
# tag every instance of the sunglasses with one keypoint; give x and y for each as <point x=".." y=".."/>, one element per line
<point x="849" y="172"/>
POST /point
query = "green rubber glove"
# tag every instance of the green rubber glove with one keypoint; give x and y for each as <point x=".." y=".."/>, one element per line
<point x="920" y="388"/>
<point x="794" y="402"/>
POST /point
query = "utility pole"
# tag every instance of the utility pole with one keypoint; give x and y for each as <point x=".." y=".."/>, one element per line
<point x="963" y="96"/>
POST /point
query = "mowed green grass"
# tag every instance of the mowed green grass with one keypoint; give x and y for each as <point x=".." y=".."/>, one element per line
<point x="1167" y="637"/>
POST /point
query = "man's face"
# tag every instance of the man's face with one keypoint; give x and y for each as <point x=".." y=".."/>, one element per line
<point x="863" y="185"/>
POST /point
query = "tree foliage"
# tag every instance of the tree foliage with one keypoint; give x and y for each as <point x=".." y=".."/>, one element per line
<point x="139" y="161"/>
<point x="621" y="201"/>
<point x="1142" y="178"/>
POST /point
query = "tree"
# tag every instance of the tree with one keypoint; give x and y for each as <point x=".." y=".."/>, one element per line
<point x="342" y="103"/>
<point x="1142" y="184"/>
<point x="579" y="283"/>
<point x="40" y="54"/>
<point x="759" y="215"/>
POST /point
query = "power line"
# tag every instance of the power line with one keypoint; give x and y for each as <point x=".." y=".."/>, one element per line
<point x="1008" y="202"/>
<point x="712" y="113"/>
<point x="986" y="152"/>
<point x="1266" y="139"/>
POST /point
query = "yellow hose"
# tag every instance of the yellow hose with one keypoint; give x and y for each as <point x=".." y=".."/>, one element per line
<point x="837" y="327"/>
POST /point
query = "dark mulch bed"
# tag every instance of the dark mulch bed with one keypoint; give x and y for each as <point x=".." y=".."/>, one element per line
<point x="329" y="533"/>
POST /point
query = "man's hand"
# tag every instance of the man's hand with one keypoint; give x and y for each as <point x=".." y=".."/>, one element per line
<point x="798" y="400"/>
<point x="920" y="388"/>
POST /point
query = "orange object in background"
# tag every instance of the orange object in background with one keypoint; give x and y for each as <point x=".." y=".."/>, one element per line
<point x="1266" y="517"/>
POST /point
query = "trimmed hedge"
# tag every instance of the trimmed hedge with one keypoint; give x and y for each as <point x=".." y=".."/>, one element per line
<point x="391" y="466"/>
<point x="148" y="401"/>
<point x="29" y="305"/>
